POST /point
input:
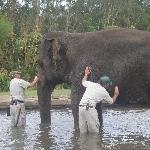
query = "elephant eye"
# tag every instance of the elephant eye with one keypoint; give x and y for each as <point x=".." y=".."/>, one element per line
<point x="50" y="54"/>
<point x="40" y="63"/>
<point x="59" y="65"/>
<point x="47" y="47"/>
<point x="63" y="50"/>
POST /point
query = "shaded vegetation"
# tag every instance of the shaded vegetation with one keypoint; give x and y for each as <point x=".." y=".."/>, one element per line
<point x="23" y="24"/>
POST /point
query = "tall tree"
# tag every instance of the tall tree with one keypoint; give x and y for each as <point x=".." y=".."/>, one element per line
<point x="36" y="13"/>
<point x="5" y="31"/>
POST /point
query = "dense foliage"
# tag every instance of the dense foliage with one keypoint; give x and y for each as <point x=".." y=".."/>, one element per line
<point x="23" y="22"/>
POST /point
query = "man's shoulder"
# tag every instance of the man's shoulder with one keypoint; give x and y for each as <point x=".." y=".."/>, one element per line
<point x="14" y="80"/>
<point x="86" y="83"/>
<point x="24" y="83"/>
<point x="89" y="82"/>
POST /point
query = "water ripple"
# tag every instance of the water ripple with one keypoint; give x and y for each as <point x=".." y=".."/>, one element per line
<point x="123" y="128"/>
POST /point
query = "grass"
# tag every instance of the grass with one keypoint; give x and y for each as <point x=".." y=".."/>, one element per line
<point x="33" y="93"/>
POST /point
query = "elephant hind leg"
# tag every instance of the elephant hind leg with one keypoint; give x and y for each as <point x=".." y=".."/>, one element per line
<point x="99" y="111"/>
<point x="75" y="112"/>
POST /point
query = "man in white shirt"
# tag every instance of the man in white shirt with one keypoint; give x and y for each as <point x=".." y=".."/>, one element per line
<point x="94" y="93"/>
<point x="17" y="97"/>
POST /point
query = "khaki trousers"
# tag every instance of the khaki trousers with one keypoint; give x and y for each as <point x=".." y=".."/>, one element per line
<point x="18" y="114"/>
<point x="88" y="120"/>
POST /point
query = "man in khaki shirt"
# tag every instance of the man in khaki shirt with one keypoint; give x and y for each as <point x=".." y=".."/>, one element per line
<point x="17" y="96"/>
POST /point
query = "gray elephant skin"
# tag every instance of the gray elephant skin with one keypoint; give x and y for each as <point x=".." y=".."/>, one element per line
<point x="121" y="54"/>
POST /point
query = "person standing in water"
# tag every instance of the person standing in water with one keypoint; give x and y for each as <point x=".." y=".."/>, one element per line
<point x="94" y="93"/>
<point x="17" y="97"/>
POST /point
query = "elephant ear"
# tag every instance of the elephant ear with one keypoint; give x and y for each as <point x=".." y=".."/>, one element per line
<point x="53" y="51"/>
<point x="48" y="51"/>
<point x="51" y="47"/>
<point x="55" y="48"/>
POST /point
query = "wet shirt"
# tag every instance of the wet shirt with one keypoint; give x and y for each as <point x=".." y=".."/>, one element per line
<point x="94" y="93"/>
<point x="17" y="88"/>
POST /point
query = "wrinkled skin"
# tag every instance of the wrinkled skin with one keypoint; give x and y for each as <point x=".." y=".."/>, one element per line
<point x="123" y="55"/>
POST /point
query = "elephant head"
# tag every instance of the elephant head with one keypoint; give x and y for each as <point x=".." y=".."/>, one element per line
<point x="53" y="61"/>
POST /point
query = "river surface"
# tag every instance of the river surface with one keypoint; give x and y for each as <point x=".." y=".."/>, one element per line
<point x="123" y="129"/>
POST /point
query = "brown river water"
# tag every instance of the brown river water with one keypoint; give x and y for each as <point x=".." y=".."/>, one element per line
<point x="123" y="129"/>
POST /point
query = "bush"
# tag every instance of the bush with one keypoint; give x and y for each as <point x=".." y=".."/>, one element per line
<point x="66" y="86"/>
<point x="4" y="82"/>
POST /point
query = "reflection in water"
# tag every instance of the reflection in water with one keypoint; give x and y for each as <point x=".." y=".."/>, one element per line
<point x="90" y="141"/>
<point x="18" y="137"/>
<point x="43" y="138"/>
<point x="124" y="129"/>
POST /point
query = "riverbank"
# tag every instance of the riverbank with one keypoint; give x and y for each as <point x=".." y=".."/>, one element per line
<point x="32" y="102"/>
<point x="59" y="102"/>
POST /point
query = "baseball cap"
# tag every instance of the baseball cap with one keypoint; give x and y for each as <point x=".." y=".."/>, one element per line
<point x="106" y="80"/>
<point x="13" y="73"/>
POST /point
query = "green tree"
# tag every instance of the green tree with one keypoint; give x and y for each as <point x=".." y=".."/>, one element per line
<point x="144" y="22"/>
<point x="5" y="30"/>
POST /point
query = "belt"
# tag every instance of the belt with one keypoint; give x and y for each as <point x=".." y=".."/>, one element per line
<point x="15" y="101"/>
<point x="86" y="106"/>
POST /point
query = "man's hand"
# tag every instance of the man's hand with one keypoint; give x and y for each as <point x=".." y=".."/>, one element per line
<point x="87" y="70"/>
<point x="116" y="93"/>
<point x="36" y="78"/>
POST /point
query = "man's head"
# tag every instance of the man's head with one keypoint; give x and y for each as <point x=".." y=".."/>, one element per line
<point x="15" y="74"/>
<point x="105" y="81"/>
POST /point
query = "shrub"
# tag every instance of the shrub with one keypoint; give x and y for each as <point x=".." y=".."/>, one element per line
<point x="4" y="81"/>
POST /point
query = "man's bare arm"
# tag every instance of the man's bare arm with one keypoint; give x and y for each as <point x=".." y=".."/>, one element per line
<point x="116" y="94"/>
<point x="36" y="79"/>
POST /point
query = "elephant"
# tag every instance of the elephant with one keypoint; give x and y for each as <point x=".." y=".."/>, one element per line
<point x="122" y="54"/>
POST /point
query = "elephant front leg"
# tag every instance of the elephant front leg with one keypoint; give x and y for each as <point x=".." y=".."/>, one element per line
<point x="44" y="100"/>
